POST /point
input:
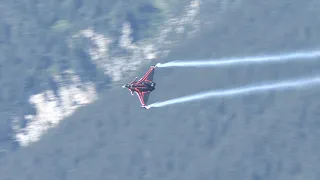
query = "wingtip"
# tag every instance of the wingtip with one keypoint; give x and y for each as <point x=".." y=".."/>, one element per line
<point x="146" y="107"/>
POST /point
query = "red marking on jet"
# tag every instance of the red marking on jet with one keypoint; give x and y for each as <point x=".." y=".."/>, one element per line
<point x="142" y="87"/>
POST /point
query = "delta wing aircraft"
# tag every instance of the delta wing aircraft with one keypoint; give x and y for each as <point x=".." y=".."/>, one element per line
<point x="142" y="87"/>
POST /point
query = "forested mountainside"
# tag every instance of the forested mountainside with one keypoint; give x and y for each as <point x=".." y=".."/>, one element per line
<point x="106" y="135"/>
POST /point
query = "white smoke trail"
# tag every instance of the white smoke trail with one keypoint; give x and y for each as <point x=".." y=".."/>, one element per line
<point x="242" y="90"/>
<point x="245" y="60"/>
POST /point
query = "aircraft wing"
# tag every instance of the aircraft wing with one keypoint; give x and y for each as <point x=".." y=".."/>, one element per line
<point x="149" y="75"/>
<point x="143" y="97"/>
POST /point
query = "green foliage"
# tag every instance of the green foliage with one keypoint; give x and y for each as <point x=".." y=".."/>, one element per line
<point x="34" y="35"/>
<point x="61" y="25"/>
<point x="34" y="42"/>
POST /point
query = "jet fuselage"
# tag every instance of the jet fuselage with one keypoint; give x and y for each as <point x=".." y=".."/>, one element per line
<point x="142" y="87"/>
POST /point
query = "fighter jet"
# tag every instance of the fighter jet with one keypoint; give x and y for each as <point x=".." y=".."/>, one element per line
<point x="142" y="87"/>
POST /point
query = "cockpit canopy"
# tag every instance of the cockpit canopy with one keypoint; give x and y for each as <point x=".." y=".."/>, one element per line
<point x="128" y="85"/>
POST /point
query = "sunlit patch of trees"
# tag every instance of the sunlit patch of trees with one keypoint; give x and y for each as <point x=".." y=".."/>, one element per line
<point x="34" y="44"/>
